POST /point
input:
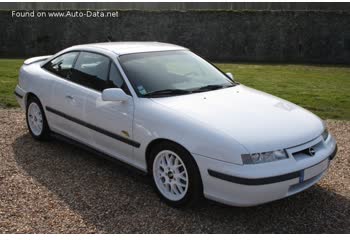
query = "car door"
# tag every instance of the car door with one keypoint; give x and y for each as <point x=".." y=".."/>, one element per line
<point x="67" y="100"/>
<point x="110" y="122"/>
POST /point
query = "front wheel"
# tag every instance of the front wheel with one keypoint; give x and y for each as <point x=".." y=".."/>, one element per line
<point x="175" y="175"/>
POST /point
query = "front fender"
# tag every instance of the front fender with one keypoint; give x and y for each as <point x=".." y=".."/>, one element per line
<point x="154" y="121"/>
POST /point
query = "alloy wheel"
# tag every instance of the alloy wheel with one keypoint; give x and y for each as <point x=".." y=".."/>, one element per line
<point x="170" y="175"/>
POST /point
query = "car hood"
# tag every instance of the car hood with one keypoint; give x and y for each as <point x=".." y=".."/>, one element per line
<point x="259" y="121"/>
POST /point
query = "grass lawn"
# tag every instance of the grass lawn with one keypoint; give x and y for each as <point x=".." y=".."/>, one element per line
<point x="325" y="90"/>
<point x="8" y="81"/>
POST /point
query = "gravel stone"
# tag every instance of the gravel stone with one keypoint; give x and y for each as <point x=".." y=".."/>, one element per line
<point x="52" y="187"/>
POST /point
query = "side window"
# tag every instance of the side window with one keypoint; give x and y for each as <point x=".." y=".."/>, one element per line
<point x="62" y="65"/>
<point x="91" y="70"/>
<point x="116" y="79"/>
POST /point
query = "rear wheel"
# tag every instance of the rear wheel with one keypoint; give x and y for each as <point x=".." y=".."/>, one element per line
<point x="36" y="120"/>
<point x="175" y="175"/>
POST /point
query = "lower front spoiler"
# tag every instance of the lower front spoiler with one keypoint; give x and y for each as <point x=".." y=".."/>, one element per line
<point x="244" y="192"/>
<point x="253" y="195"/>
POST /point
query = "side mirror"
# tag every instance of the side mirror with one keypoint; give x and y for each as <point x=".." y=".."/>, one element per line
<point x="230" y="75"/>
<point x="114" y="95"/>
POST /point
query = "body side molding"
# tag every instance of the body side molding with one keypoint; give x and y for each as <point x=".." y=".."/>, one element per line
<point x="97" y="129"/>
<point x="18" y="95"/>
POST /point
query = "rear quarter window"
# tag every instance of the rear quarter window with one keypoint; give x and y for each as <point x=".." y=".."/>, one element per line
<point x="62" y="65"/>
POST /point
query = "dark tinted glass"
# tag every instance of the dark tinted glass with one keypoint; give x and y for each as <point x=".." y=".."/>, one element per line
<point x="91" y="70"/>
<point x="179" y="70"/>
<point x="62" y="65"/>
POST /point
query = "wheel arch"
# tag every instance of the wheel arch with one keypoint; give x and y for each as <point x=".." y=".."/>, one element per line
<point x="157" y="141"/>
<point x="197" y="183"/>
<point x="28" y="96"/>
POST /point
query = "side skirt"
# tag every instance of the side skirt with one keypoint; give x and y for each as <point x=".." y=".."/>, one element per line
<point x="68" y="140"/>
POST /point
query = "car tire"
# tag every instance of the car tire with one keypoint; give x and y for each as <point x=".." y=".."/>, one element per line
<point x="175" y="175"/>
<point x="36" y="119"/>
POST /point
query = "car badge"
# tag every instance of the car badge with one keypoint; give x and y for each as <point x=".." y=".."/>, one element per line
<point x="125" y="133"/>
<point x="311" y="152"/>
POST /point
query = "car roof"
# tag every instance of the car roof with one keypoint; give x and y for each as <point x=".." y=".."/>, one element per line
<point x="121" y="48"/>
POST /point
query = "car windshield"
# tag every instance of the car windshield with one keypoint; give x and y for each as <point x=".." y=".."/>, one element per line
<point x="172" y="73"/>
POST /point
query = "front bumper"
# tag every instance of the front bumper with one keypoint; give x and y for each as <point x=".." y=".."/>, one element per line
<point x="249" y="185"/>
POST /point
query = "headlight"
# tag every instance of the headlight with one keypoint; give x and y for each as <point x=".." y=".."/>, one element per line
<point x="325" y="134"/>
<point x="256" y="158"/>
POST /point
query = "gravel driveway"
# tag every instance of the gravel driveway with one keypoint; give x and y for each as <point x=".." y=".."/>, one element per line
<point x="53" y="187"/>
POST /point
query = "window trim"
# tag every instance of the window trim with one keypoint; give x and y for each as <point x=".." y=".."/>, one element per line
<point x="111" y="61"/>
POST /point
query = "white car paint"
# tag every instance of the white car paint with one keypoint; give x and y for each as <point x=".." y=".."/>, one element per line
<point x="259" y="121"/>
<point x="216" y="127"/>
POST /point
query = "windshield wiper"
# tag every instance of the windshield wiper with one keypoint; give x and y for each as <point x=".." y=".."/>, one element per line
<point x="211" y="87"/>
<point x="168" y="92"/>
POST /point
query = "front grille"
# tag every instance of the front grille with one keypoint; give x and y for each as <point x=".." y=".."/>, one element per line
<point x="304" y="153"/>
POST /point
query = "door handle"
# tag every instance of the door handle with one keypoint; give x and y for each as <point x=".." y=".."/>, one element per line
<point x="70" y="97"/>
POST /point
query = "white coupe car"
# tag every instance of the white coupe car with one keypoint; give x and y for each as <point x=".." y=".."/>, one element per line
<point x="164" y="110"/>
